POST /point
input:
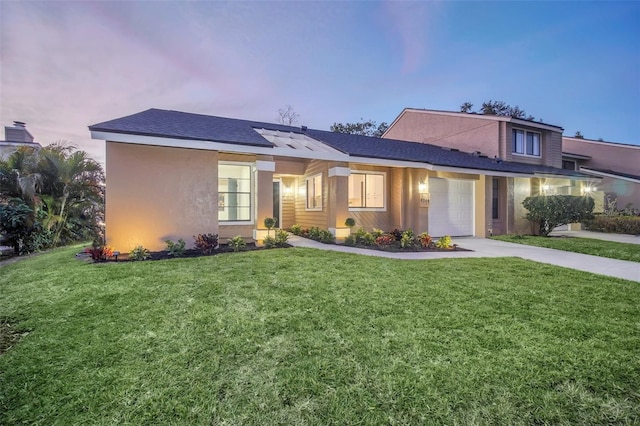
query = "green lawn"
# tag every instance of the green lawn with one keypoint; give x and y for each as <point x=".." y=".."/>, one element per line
<point x="610" y="249"/>
<point x="301" y="336"/>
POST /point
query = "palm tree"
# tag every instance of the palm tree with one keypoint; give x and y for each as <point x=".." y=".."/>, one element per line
<point x="74" y="182"/>
<point x="19" y="177"/>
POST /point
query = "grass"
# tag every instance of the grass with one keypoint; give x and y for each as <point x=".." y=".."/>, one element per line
<point x="610" y="249"/>
<point x="301" y="336"/>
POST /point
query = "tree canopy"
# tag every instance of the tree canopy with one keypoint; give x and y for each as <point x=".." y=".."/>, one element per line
<point x="50" y="196"/>
<point x="497" y="108"/>
<point x="364" y="128"/>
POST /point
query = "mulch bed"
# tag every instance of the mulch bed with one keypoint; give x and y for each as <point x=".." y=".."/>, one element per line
<point x="188" y="253"/>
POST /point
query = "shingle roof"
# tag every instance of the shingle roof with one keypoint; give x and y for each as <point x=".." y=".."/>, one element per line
<point x="364" y="146"/>
<point x="181" y="125"/>
<point x="611" y="172"/>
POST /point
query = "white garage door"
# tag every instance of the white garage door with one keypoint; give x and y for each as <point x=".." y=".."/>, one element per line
<point x="450" y="207"/>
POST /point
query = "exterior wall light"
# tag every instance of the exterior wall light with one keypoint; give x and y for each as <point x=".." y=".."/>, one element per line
<point x="422" y="187"/>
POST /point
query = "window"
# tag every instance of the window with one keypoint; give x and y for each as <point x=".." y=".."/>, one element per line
<point x="495" y="204"/>
<point x="314" y="192"/>
<point x="366" y="190"/>
<point x="526" y="143"/>
<point x="568" y="164"/>
<point x="234" y="192"/>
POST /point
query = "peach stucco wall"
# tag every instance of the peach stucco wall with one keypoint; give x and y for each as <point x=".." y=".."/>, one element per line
<point x="156" y="193"/>
<point x="472" y="132"/>
<point x="608" y="156"/>
<point x="465" y="133"/>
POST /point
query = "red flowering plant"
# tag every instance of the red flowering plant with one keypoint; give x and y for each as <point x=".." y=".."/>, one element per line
<point x="425" y="240"/>
<point x="99" y="253"/>
<point x="385" y="240"/>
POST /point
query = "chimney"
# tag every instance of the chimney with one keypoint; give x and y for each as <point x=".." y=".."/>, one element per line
<point x="17" y="133"/>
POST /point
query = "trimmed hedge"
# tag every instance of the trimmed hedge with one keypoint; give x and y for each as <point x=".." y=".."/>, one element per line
<point x="551" y="211"/>
<point x="614" y="224"/>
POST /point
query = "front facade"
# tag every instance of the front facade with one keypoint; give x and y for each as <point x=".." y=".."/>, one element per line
<point x="505" y="138"/>
<point x="173" y="175"/>
<point x="617" y="164"/>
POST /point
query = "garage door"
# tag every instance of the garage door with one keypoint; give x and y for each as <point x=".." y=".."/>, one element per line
<point x="450" y="207"/>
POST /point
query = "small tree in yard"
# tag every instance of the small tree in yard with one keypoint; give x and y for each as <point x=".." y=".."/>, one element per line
<point x="551" y="211"/>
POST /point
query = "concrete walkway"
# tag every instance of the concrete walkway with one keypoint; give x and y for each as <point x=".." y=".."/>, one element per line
<point x="485" y="247"/>
<point x="618" y="238"/>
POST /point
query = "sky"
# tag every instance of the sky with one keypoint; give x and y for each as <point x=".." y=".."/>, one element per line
<point x="67" y="65"/>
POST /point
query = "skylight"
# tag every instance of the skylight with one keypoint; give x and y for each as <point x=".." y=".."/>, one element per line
<point x="295" y="141"/>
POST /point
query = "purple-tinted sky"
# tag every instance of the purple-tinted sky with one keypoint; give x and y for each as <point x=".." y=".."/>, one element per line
<point x="66" y="65"/>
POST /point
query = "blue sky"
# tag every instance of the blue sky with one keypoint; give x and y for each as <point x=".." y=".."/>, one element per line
<point x="66" y="65"/>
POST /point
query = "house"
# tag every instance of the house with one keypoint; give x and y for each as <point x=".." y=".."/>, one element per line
<point x="173" y="175"/>
<point x="510" y="139"/>
<point x="15" y="137"/>
<point x="617" y="164"/>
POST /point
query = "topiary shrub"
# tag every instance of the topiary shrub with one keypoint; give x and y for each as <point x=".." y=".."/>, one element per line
<point x="270" y="223"/>
<point x="296" y="229"/>
<point x="551" y="211"/>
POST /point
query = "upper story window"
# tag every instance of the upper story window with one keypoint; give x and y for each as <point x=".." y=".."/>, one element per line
<point x="234" y="192"/>
<point x="314" y="192"/>
<point x="366" y="190"/>
<point x="526" y="143"/>
<point x="569" y="164"/>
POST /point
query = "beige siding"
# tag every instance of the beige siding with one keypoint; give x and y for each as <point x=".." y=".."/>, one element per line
<point x="288" y="203"/>
<point x="307" y="218"/>
<point x="291" y="167"/>
<point x="156" y="193"/>
<point x="246" y="158"/>
<point x="550" y="149"/>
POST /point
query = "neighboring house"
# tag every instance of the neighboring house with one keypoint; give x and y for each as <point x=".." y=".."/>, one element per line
<point x="15" y="137"/>
<point x="510" y="139"/>
<point x="617" y="164"/>
<point x="173" y="175"/>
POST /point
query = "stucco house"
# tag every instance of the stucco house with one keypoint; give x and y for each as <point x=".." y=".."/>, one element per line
<point x="617" y="164"/>
<point x="172" y="175"/>
<point x="510" y="139"/>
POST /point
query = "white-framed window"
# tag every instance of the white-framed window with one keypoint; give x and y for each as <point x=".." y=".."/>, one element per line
<point x="314" y="192"/>
<point x="235" y="193"/>
<point x="526" y="143"/>
<point x="367" y="190"/>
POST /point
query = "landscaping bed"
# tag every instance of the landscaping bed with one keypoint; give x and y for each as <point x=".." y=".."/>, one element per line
<point x="396" y="241"/>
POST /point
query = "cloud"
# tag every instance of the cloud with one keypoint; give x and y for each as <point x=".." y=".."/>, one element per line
<point x="410" y="25"/>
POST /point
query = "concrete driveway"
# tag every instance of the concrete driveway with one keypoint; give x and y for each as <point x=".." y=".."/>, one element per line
<point x="485" y="247"/>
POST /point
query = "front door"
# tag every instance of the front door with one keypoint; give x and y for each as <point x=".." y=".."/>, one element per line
<point x="276" y="203"/>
